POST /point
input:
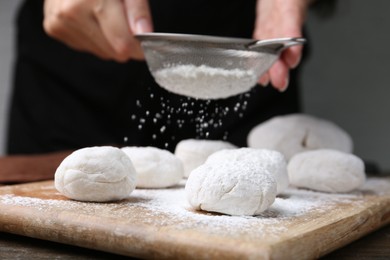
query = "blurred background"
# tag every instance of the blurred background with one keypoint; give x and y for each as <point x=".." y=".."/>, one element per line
<point x="345" y="78"/>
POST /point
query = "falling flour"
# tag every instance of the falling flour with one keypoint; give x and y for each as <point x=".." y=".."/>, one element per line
<point x="170" y="114"/>
<point x="205" y="82"/>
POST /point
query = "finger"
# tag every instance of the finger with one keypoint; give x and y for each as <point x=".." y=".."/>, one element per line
<point x="111" y="17"/>
<point x="138" y="16"/>
<point x="279" y="75"/>
<point x="62" y="22"/>
<point x="292" y="56"/>
<point x="75" y="40"/>
<point x="264" y="80"/>
<point x="90" y="40"/>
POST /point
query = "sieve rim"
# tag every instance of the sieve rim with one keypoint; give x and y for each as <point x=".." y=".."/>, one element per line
<point x="193" y="38"/>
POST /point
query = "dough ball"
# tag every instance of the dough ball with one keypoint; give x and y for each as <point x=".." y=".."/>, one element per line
<point x="271" y="161"/>
<point x="292" y="134"/>
<point x="96" y="174"/>
<point x="194" y="152"/>
<point x="156" y="168"/>
<point x="326" y="170"/>
<point x="233" y="188"/>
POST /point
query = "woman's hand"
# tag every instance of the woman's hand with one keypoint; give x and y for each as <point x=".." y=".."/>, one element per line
<point x="275" y="19"/>
<point x="101" y="27"/>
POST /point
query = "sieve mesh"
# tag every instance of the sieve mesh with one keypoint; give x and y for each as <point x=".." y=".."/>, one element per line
<point x="217" y="54"/>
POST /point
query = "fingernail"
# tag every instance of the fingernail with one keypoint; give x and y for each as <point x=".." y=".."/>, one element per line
<point x="294" y="65"/>
<point x="264" y="81"/>
<point x="142" y="26"/>
<point x="284" y="87"/>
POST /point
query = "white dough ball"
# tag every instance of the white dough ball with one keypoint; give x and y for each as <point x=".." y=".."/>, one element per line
<point x="156" y="168"/>
<point x="271" y="161"/>
<point x="233" y="188"/>
<point x="295" y="133"/>
<point x="193" y="152"/>
<point x="326" y="170"/>
<point x="96" y="174"/>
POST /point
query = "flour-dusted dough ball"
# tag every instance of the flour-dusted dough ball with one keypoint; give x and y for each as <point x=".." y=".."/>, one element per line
<point x="295" y="133"/>
<point x="96" y="174"/>
<point x="193" y="152"/>
<point x="156" y="168"/>
<point x="326" y="170"/>
<point x="271" y="161"/>
<point x="233" y="188"/>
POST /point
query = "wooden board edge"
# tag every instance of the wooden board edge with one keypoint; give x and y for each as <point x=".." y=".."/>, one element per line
<point x="310" y="245"/>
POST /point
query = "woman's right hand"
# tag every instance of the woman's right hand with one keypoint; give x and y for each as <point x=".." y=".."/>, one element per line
<point x="279" y="19"/>
<point x="104" y="28"/>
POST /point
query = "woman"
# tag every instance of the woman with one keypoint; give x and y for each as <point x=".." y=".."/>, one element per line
<point x="80" y="79"/>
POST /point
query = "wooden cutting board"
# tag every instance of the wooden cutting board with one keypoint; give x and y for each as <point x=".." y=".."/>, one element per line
<point x="159" y="223"/>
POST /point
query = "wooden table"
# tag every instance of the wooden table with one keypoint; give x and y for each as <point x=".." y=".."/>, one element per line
<point x="373" y="246"/>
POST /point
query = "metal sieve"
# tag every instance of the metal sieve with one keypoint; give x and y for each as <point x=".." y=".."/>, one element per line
<point x="166" y="50"/>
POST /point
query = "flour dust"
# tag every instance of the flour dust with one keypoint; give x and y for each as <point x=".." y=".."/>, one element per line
<point x="205" y="116"/>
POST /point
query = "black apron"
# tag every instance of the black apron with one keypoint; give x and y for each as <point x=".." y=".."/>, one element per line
<point x="64" y="99"/>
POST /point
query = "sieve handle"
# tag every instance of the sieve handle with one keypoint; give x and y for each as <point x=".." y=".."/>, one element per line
<point x="275" y="45"/>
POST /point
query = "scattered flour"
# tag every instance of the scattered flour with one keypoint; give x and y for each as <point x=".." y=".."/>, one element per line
<point x="169" y="208"/>
<point x="205" y="82"/>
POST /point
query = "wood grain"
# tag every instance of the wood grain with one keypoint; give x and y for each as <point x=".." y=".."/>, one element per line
<point x="129" y="228"/>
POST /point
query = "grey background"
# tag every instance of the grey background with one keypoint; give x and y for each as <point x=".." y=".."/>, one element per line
<point x="7" y="15"/>
<point x="344" y="80"/>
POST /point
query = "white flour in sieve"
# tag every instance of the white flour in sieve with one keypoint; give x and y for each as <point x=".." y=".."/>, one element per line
<point x="205" y="82"/>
